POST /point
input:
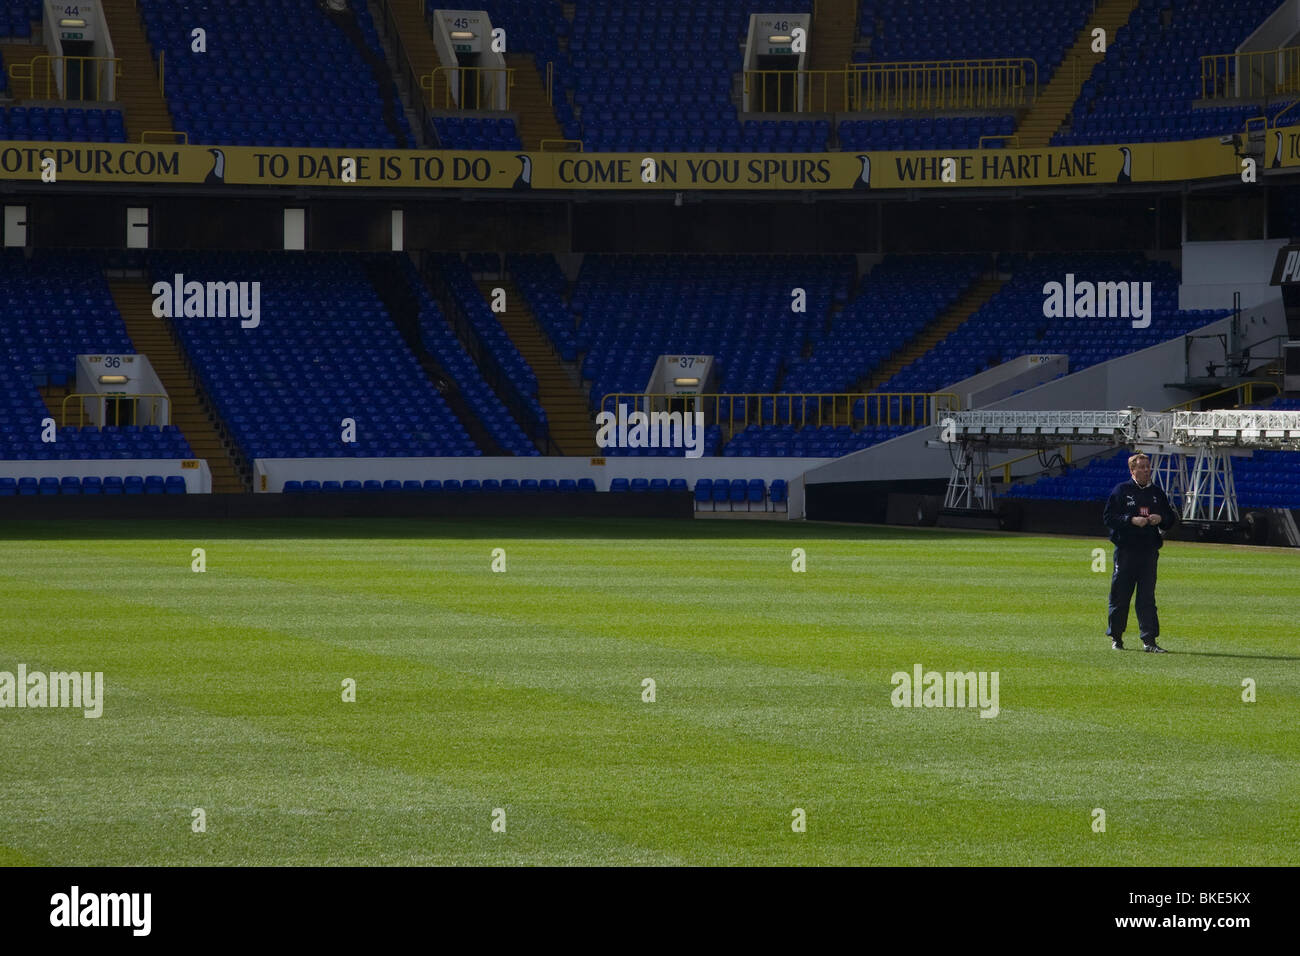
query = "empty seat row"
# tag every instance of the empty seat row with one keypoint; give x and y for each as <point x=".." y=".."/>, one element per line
<point x="735" y="491"/>
<point x="112" y="485"/>
<point x="449" y="486"/>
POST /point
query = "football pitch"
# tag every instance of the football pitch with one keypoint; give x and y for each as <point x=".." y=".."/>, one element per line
<point x="503" y="717"/>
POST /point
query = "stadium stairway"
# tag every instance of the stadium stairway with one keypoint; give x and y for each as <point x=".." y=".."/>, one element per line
<point x="137" y="88"/>
<point x="414" y="44"/>
<point x="1057" y="99"/>
<point x="948" y="321"/>
<point x="571" y="426"/>
<point x="53" y="396"/>
<point x="834" y="28"/>
<point x="535" y="116"/>
<point x="152" y="337"/>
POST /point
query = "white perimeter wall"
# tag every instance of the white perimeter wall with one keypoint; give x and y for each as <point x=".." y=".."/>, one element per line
<point x="1213" y="271"/>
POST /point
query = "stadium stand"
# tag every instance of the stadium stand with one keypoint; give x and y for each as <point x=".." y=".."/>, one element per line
<point x="54" y="307"/>
<point x="438" y="337"/>
<point x="470" y="132"/>
<point x="1145" y="89"/>
<point x="17" y="17"/>
<point x="252" y="88"/>
<point x="488" y="331"/>
<point x="1012" y="322"/>
<point x="659" y="76"/>
<point x="897" y="299"/>
<point x="325" y="350"/>
<point x="956" y="132"/>
<point x="69" y="485"/>
<point x="901" y="30"/>
<point x="737" y="308"/>
<point x="59" y="124"/>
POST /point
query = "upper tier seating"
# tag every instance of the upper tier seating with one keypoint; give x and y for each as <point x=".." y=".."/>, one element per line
<point x="253" y="88"/>
<point x="659" y="77"/>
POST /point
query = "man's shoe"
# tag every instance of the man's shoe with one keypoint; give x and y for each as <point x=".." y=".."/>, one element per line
<point x="1117" y="644"/>
<point x="1154" y="648"/>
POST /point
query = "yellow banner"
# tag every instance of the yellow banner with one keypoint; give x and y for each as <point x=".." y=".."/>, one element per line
<point x="455" y="169"/>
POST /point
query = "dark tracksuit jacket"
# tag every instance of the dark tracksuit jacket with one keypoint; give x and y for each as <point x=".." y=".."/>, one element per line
<point x="1137" y="551"/>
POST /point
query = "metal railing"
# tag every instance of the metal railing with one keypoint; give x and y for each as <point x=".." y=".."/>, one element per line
<point x="1246" y="388"/>
<point x="96" y="75"/>
<point x="1068" y="458"/>
<point x="485" y="357"/>
<point x="999" y="83"/>
<point x="156" y="401"/>
<point x="470" y="87"/>
<point x="796" y="91"/>
<point x="565" y="145"/>
<point x="1255" y="74"/>
<point x="808" y="408"/>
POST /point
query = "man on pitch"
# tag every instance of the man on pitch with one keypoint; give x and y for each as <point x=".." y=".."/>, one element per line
<point x="1138" y="515"/>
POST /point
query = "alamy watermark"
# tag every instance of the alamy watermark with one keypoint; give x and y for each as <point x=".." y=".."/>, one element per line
<point x="81" y="690"/>
<point x="1098" y="300"/>
<point x="951" y="689"/>
<point x="75" y="909"/>
<point x="209" y="300"/>
<point x="651" y="430"/>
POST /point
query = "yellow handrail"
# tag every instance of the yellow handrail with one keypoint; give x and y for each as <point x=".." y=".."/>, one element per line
<point x="879" y="408"/>
<point x="798" y="95"/>
<point x="998" y="82"/>
<point x="53" y="89"/>
<point x="564" y="143"/>
<point x="156" y="398"/>
<point x="162" y="72"/>
<point x="1247" y="387"/>
<point x="1250" y="75"/>
<point x="550" y="82"/>
<point x="429" y="83"/>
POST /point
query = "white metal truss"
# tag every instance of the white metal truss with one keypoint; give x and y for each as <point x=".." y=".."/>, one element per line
<point x="970" y="488"/>
<point x="1191" y="451"/>
<point x="1044" y="429"/>
<point x="1211" y="493"/>
<point x="1239" y="429"/>
<point x="1169" y="471"/>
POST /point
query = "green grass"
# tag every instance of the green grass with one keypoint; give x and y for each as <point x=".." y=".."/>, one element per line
<point x="522" y="691"/>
